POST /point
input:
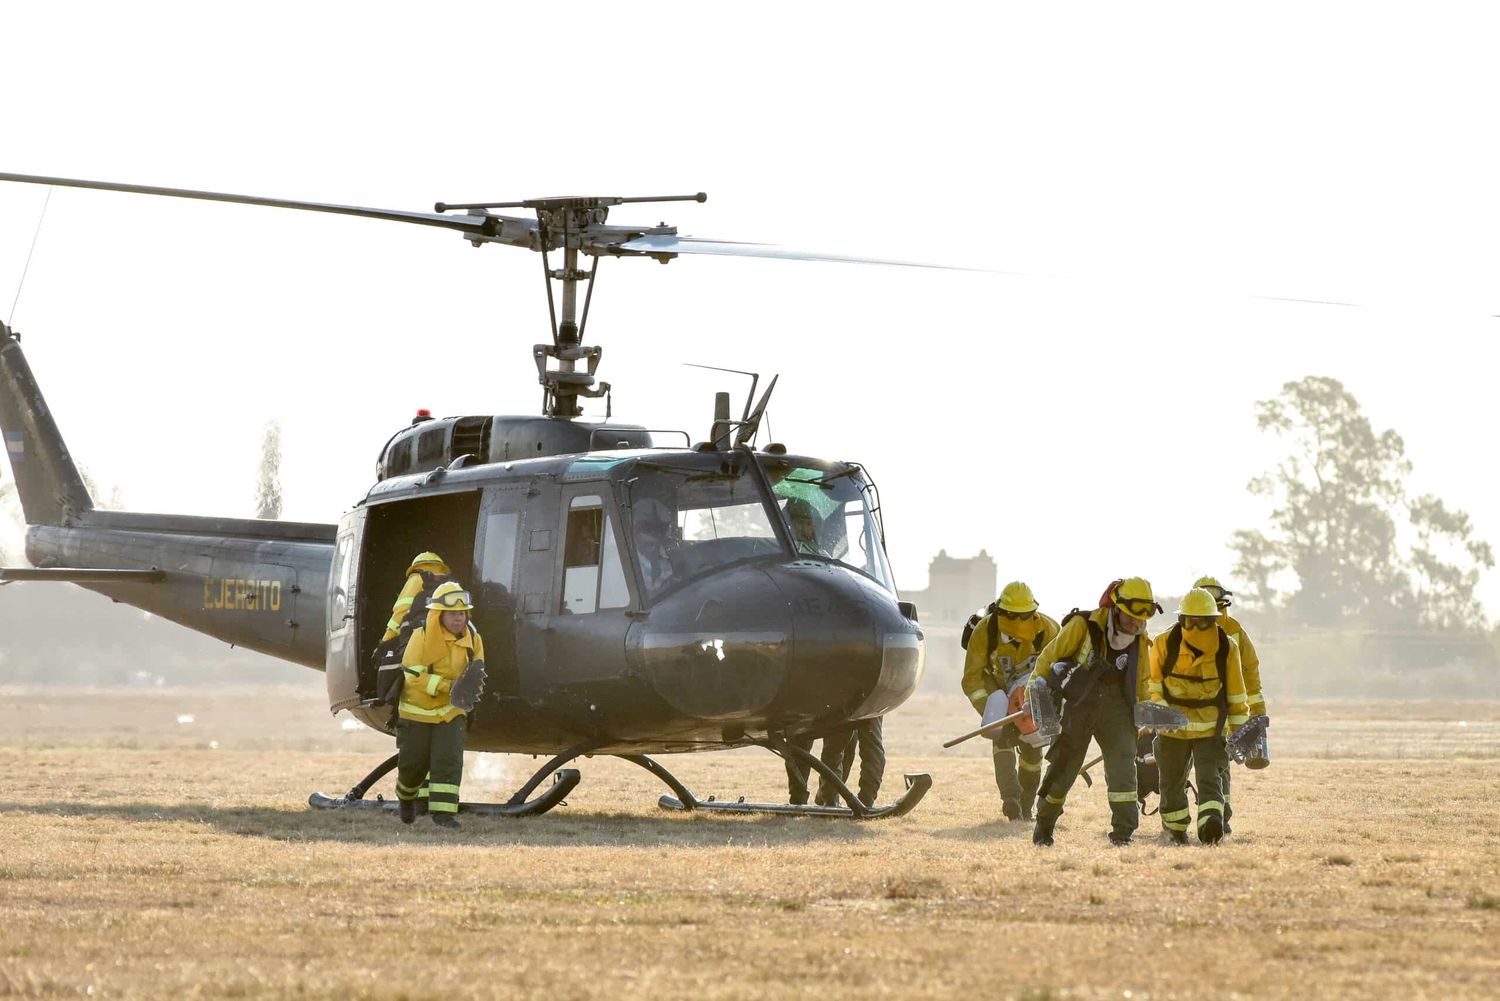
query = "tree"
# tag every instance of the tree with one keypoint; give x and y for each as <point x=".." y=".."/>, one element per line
<point x="268" y="482"/>
<point x="1445" y="590"/>
<point x="1334" y="527"/>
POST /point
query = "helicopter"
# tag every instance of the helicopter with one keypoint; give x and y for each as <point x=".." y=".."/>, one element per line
<point x="637" y="597"/>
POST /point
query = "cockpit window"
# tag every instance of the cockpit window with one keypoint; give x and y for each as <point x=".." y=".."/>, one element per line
<point x="689" y="518"/>
<point x="832" y="513"/>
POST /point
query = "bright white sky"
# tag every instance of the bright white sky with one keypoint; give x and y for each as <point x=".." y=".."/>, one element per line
<point x="1156" y="161"/>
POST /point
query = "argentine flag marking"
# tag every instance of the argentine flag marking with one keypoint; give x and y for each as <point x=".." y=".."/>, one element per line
<point x="15" y="444"/>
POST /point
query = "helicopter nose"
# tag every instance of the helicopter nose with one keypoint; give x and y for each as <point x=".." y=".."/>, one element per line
<point x="854" y="654"/>
<point x="718" y="650"/>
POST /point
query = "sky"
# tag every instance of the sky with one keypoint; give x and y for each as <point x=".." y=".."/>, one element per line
<point x="1144" y="171"/>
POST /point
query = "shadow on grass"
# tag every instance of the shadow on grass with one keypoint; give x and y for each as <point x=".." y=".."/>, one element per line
<point x="560" y="828"/>
<point x="993" y="830"/>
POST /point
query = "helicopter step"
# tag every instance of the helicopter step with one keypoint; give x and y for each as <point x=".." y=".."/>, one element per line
<point x="917" y="785"/>
<point x="563" y="783"/>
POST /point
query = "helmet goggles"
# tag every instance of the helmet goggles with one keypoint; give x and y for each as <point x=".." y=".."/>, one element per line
<point x="453" y="601"/>
<point x="1137" y="608"/>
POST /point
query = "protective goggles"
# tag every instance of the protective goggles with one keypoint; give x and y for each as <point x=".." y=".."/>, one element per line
<point x="453" y="601"/>
<point x="1198" y="621"/>
<point x="1006" y="614"/>
<point x="1222" y="598"/>
<point x="1137" y="608"/>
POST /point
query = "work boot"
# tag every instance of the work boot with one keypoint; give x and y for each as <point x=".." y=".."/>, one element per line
<point x="445" y="820"/>
<point x="1211" y="831"/>
<point x="408" y="809"/>
<point x="1119" y="840"/>
<point x="1178" y="837"/>
<point x="1026" y="807"/>
<point x="1227" y="830"/>
<point x="1042" y="834"/>
<point x="421" y="805"/>
<point x="1011" y="809"/>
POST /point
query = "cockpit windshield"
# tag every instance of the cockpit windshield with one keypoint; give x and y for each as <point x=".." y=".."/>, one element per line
<point x="831" y="510"/>
<point x="691" y="515"/>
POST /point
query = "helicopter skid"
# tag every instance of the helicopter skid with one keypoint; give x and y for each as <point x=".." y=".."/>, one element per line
<point x="563" y="782"/>
<point x="917" y="785"/>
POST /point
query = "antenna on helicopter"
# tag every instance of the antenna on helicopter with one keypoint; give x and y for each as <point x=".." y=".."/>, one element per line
<point x="722" y="425"/>
<point x="752" y="420"/>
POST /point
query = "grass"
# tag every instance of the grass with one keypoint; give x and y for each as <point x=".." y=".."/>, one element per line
<point x="139" y="861"/>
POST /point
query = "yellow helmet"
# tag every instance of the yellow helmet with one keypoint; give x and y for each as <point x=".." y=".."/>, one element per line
<point x="1133" y="597"/>
<point x="1017" y="597"/>
<point x="1212" y="586"/>
<point x="450" y="597"/>
<point x="424" y="559"/>
<point x="1199" y="601"/>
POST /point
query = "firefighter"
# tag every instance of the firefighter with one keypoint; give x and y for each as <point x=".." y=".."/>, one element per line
<point x="1002" y="648"/>
<point x="426" y="572"/>
<point x="1111" y="649"/>
<point x="1195" y="668"/>
<point x="430" y="730"/>
<point x="1249" y="667"/>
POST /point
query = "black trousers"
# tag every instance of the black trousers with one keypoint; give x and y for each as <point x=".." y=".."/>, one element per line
<point x="435" y="749"/>
<point x="867" y="739"/>
<point x="1108" y="716"/>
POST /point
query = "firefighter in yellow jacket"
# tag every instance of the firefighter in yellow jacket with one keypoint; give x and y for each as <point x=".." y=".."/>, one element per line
<point x="1195" y="668"/>
<point x="1111" y="649"/>
<point x="426" y="573"/>
<point x="1002" y="648"/>
<point x="1249" y="667"/>
<point x="430" y="729"/>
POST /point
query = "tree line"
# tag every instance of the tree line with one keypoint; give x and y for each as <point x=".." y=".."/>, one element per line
<point x="1346" y="544"/>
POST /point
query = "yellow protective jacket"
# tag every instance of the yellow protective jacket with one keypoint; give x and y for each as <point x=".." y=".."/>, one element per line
<point x="1249" y="664"/>
<point x="1194" y="678"/>
<point x="1074" y="641"/>
<point x="433" y="661"/>
<point x="986" y="670"/>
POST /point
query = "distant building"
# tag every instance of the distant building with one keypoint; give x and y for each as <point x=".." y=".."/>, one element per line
<point x="956" y="588"/>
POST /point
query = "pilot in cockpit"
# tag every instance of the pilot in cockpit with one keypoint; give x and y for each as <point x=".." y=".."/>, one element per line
<point x="655" y="540"/>
<point x="813" y="535"/>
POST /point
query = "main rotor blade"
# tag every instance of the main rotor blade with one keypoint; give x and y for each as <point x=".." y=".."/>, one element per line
<point x="731" y="248"/>
<point x="464" y="224"/>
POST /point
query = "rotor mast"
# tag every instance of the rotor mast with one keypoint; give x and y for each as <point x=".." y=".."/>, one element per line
<point x="576" y="226"/>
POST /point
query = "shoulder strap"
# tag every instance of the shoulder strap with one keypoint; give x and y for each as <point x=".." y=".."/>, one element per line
<point x="994" y="627"/>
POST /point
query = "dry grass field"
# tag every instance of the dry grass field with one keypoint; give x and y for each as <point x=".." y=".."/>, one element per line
<point x="143" y="856"/>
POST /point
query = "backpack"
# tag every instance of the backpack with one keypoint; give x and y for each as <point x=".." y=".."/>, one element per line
<point x="993" y="633"/>
<point x="418" y="612"/>
<point x="388" y="654"/>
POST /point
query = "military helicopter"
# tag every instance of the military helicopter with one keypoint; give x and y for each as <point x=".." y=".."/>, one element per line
<point x="636" y="597"/>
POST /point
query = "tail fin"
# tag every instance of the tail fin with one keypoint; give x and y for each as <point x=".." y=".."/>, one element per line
<point x="49" y="485"/>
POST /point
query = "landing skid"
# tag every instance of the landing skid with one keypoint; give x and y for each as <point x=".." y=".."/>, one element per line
<point x="518" y="805"/>
<point x="566" y="779"/>
<point x="917" y="785"/>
